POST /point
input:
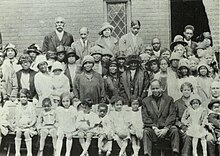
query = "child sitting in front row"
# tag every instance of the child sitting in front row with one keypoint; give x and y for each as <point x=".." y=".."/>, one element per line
<point x="195" y="117"/>
<point x="86" y="124"/>
<point x="46" y="124"/>
<point x="66" y="123"/>
<point x="119" y="125"/>
<point x="214" y="118"/>
<point x="25" y="119"/>
<point x="135" y="125"/>
<point x="4" y="123"/>
<point x="104" y="142"/>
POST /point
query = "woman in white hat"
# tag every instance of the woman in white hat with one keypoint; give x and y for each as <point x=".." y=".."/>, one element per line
<point x="106" y="40"/>
<point x="89" y="84"/>
<point x="43" y="79"/>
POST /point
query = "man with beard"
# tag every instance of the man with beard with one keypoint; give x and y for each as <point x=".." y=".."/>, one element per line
<point x="57" y="37"/>
<point x="159" y="115"/>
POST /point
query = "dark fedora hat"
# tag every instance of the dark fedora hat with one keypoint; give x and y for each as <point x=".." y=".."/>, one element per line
<point x="212" y="102"/>
<point x="133" y="58"/>
<point x="178" y="39"/>
<point x="71" y="51"/>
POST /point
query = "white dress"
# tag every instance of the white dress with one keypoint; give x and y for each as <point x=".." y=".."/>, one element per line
<point x="198" y="118"/>
<point x="86" y="122"/>
<point x="135" y="120"/>
<point x="66" y="119"/>
<point x="25" y="118"/>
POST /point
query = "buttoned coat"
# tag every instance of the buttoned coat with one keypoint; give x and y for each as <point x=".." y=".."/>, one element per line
<point x="127" y="47"/>
<point x="51" y="41"/>
<point x="161" y="117"/>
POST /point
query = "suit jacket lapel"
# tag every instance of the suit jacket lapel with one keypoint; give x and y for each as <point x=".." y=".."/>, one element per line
<point x="155" y="108"/>
<point x="162" y="105"/>
<point x="64" y="38"/>
<point x="126" y="82"/>
<point x="130" y="38"/>
<point x="54" y="39"/>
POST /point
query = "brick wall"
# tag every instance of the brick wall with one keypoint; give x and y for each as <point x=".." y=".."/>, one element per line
<point x="155" y="18"/>
<point x="24" y="22"/>
<point x="213" y="12"/>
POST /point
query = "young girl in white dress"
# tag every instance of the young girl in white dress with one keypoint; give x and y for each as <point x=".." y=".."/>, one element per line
<point x="66" y="123"/>
<point x="119" y="124"/>
<point x="46" y="124"/>
<point x="87" y="124"/>
<point x="135" y="125"/>
<point x="195" y="117"/>
<point x="25" y="119"/>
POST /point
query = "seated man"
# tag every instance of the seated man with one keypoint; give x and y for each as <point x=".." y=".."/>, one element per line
<point x="158" y="115"/>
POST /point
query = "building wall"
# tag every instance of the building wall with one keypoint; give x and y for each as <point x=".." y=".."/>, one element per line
<point x="24" y="22"/>
<point x="213" y="12"/>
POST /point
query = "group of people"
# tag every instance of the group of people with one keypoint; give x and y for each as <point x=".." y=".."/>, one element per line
<point x="120" y="90"/>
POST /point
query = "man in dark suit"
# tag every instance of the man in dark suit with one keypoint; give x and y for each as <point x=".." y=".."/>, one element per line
<point x="158" y="115"/>
<point x="133" y="81"/>
<point x="188" y="34"/>
<point x="57" y="37"/>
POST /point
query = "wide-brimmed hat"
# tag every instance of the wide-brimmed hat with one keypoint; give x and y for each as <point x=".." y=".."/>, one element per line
<point x="88" y="58"/>
<point x="212" y="102"/>
<point x="61" y="49"/>
<point x="195" y="97"/>
<point x="133" y="58"/>
<point x="203" y="63"/>
<point x="175" y="56"/>
<point x="200" y="46"/>
<point x="24" y="58"/>
<point x="10" y="46"/>
<point x="33" y="48"/>
<point x="183" y="63"/>
<point x="96" y="50"/>
<point x="40" y="59"/>
<point x="193" y="58"/>
<point x="178" y="39"/>
<point x="121" y="56"/>
<point x="57" y="65"/>
<point x="107" y="52"/>
<point x="71" y="51"/>
<point x="105" y="26"/>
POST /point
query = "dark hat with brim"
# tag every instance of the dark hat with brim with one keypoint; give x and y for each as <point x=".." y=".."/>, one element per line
<point x="212" y="102"/>
<point x="178" y="39"/>
<point x="73" y="52"/>
<point x="33" y="48"/>
<point x="133" y="58"/>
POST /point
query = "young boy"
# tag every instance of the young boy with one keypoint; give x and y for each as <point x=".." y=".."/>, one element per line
<point x="104" y="143"/>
